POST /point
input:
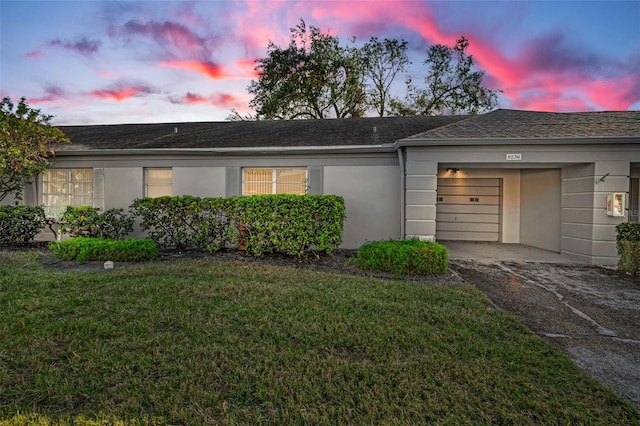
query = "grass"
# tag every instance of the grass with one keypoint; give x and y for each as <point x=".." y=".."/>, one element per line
<point x="204" y="342"/>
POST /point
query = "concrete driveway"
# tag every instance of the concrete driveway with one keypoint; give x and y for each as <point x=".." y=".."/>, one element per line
<point x="592" y="313"/>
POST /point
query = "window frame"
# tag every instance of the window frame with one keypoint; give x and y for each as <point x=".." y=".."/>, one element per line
<point x="57" y="210"/>
<point x="274" y="179"/>
<point x="147" y="184"/>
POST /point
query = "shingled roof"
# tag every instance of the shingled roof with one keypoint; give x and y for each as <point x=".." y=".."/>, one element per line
<point x="516" y="124"/>
<point x="374" y="131"/>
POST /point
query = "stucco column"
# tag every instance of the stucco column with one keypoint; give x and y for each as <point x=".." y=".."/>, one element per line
<point x="421" y="183"/>
<point x="587" y="232"/>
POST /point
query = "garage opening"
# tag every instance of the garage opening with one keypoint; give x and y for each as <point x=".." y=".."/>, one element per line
<point x="468" y="209"/>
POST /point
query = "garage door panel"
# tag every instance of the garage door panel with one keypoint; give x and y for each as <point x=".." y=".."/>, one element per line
<point x="470" y="218"/>
<point x="468" y="199"/>
<point x="467" y="227"/>
<point x="466" y="190"/>
<point x="468" y="236"/>
<point x="468" y="208"/>
<point x="469" y="182"/>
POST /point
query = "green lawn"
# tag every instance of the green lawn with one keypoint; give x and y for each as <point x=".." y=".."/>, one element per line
<point x="204" y="342"/>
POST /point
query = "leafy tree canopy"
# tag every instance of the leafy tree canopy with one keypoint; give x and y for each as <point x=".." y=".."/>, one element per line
<point x="451" y="85"/>
<point x="316" y="77"/>
<point x="383" y="60"/>
<point x="313" y="77"/>
<point x="25" y="145"/>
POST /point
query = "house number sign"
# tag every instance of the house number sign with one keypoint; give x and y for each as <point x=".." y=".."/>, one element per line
<point x="514" y="157"/>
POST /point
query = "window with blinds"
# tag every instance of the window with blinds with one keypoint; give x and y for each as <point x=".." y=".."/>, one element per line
<point x="66" y="187"/>
<point x="274" y="180"/>
<point x="158" y="182"/>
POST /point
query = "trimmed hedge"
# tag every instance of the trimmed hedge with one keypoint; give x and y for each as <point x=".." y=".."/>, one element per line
<point x="290" y="223"/>
<point x="259" y="224"/>
<point x="404" y="257"/>
<point x="185" y="221"/>
<point x="628" y="245"/>
<point x="87" y="221"/>
<point x="20" y="224"/>
<point x="85" y="249"/>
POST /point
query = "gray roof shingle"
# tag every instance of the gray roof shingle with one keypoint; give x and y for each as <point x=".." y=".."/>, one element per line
<point x="251" y="134"/>
<point x="516" y="124"/>
<point x="497" y="125"/>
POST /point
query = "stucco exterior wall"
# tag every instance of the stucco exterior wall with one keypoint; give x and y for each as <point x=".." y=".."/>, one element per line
<point x="540" y="214"/>
<point x="369" y="183"/>
<point x="122" y="185"/>
<point x="587" y="232"/>
<point x="199" y="181"/>
<point x="372" y="199"/>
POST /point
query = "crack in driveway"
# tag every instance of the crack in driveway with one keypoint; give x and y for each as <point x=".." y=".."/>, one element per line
<point x="601" y="330"/>
<point x="591" y="313"/>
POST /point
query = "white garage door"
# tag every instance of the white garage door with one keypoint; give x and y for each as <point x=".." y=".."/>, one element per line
<point x="468" y="209"/>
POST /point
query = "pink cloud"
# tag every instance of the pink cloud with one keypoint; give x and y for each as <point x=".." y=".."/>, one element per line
<point x="179" y="46"/>
<point x="245" y="68"/>
<point x="220" y="100"/>
<point x="192" y="98"/>
<point x="368" y="18"/>
<point x="226" y="100"/>
<point x="208" y="69"/>
<point x="83" y="46"/>
<point x="188" y="15"/>
<point x="551" y="66"/>
<point x="52" y="93"/>
<point x="547" y="72"/>
<point x="34" y="54"/>
<point x="254" y="28"/>
<point x="122" y="91"/>
<point x="615" y="93"/>
<point x="175" y="39"/>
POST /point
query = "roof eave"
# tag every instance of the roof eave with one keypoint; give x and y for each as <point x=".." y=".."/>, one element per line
<point x="341" y="149"/>
<point x="415" y="142"/>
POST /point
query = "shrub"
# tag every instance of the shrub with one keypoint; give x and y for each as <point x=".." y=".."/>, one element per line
<point x="85" y="249"/>
<point x="405" y="257"/>
<point x="290" y="223"/>
<point x="628" y="245"/>
<point x="87" y="221"/>
<point x="261" y="224"/>
<point x="20" y="224"/>
<point x="185" y="222"/>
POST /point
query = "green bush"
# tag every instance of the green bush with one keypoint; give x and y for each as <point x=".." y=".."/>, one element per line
<point x="20" y="224"/>
<point x="259" y="224"/>
<point x="87" y="221"/>
<point x="405" y="257"/>
<point x="628" y="245"/>
<point x="85" y="249"/>
<point x="290" y="223"/>
<point x="185" y="222"/>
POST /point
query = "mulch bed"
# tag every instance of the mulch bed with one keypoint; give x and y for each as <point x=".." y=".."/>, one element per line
<point x="336" y="262"/>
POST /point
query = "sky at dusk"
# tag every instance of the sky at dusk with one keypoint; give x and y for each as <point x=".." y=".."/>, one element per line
<point x="105" y="62"/>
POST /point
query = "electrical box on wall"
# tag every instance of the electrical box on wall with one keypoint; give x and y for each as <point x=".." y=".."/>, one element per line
<point x="615" y="204"/>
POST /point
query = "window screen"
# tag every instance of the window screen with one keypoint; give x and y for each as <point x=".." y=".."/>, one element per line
<point x="66" y="187"/>
<point x="158" y="182"/>
<point x="274" y="180"/>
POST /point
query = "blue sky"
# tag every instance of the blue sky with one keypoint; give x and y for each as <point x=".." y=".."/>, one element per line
<point x="99" y="62"/>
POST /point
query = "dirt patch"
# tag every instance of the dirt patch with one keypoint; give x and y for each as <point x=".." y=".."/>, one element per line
<point x="591" y="313"/>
